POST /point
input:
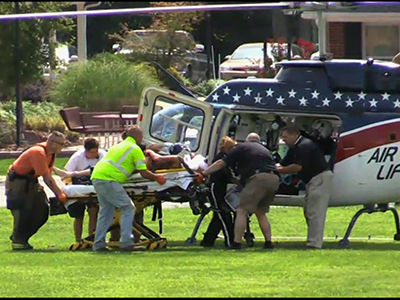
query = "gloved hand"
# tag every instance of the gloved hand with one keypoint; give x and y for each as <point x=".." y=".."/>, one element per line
<point x="62" y="198"/>
<point x="160" y="179"/>
<point x="199" y="178"/>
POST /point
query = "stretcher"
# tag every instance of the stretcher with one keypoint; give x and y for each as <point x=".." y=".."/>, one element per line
<point x="179" y="187"/>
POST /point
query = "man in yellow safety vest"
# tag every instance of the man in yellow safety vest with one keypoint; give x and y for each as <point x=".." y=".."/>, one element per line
<point x="108" y="175"/>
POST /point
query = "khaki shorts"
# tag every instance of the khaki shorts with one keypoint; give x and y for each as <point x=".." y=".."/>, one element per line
<point x="259" y="192"/>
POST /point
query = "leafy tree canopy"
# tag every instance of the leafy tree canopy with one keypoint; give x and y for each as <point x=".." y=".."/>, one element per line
<point x="36" y="48"/>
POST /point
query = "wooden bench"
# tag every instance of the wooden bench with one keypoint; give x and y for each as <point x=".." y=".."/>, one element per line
<point x="77" y="121"/>
<point x="73" y="119"/>
<point x="128" y="114"/>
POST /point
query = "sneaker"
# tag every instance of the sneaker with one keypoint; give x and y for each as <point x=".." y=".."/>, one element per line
<point x="268" y="245"/>
<point x="105" y="249"/>
<point x="132" y="248"/>
<point x="309" y="247"/>
<point x="21" y="246"/>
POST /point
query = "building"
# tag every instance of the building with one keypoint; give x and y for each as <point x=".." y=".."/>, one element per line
<point x="361" y="31"/>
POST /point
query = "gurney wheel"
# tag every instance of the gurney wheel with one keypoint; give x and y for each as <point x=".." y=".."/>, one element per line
<point x="153" y="245"/>
<point x="81" y="246"/>
<point x="74" y="247"/>
<point x="162" y="244"/>
<point x="114" y="244"/>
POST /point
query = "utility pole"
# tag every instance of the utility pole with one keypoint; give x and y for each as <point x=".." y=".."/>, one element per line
<point x="208" y="44"/>
<point x="18" y="110"/>
<point x="321" y="21"/>
<point x="81" y="29"/>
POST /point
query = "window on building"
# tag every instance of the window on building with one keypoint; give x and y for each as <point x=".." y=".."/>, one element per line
<point x="380" y="41"/>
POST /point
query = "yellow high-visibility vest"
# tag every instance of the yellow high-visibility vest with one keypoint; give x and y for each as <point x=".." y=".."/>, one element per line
<point x="120" y="162"/>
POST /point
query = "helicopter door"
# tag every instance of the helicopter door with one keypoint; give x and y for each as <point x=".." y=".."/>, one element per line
<point x="167" y="117"/>
<point x="220" y="129"/>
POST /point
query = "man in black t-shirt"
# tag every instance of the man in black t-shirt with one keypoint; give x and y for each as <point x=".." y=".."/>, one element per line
<point x="260" y="179"/>
<point x="305" y="158"/>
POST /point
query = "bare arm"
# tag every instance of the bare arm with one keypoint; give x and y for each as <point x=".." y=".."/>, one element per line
<point x="155" y="147"/>
<point x="148" y="174"/>
<point x="52" y="184"/>
<point x="63" y="173"/>
<point x="60" y="172"/>
<point x="216" y="166"/>
<point x="290" y="169"/>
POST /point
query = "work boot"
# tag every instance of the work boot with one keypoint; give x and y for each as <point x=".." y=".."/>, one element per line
<point x="236" y="246"/>
<point x="206" y="244"/>
<point x="21" y="246"/>
<point x="268" y="245"/>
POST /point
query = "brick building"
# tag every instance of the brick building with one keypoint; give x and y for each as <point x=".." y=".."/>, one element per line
<point x="362" y="31"/>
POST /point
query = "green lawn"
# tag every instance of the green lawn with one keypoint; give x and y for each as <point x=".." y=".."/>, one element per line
<point x="5" y="163"/>
<point x="367" y="269"/>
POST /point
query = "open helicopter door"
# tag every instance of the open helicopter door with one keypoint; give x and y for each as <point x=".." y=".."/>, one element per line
<point x="168" y="117"/>
<point x="220" y="129"/>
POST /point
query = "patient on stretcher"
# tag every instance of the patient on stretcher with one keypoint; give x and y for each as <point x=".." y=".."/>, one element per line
<point x="154" y="161"/>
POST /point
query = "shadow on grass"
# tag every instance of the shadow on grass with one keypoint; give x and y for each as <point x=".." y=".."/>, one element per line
<point x="289" y="245"/>
<point x="180" y="246"/>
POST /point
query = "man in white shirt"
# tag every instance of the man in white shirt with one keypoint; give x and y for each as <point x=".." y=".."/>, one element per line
<point x="84" y="159"/>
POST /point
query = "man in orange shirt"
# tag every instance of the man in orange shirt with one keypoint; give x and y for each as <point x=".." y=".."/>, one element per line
<point x="25" y="196"/>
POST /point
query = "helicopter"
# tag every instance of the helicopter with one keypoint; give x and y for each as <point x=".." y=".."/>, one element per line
<point x="350" y="108"/>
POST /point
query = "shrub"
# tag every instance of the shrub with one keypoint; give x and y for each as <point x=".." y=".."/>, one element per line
<point x="206" y="87"/>
<point x="36" y="92"/>
<point x="43" y="116"/>
<point x="103" y="83"/>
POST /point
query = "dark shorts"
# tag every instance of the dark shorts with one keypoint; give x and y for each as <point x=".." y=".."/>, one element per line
<point x="77" y="209"/>
<point x="259" y="192"/>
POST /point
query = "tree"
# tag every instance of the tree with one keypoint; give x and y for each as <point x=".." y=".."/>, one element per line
<point x="35" y="42"/>
<point x="99" y="28"/>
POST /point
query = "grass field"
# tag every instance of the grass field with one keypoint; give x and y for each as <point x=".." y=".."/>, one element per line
<point x="5" y="163"/>
<point x="368" y="268"/>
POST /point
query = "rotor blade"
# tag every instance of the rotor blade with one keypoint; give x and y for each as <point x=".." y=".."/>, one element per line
<point x="147" y="10"/>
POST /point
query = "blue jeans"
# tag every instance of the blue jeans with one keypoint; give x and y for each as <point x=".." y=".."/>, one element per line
<point x="111" y="195"/>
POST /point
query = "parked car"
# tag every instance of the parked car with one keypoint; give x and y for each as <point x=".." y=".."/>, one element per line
<point x="248" y="59"/>
<point x="188" y="57"/>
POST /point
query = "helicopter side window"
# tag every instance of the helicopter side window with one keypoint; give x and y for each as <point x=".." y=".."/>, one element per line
<point x="177" y="123"/>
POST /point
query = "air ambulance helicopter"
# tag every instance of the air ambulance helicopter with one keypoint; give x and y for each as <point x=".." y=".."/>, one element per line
<point x="349" y="107"/>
